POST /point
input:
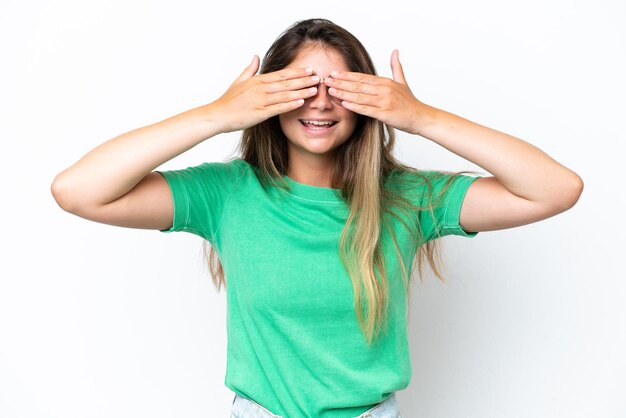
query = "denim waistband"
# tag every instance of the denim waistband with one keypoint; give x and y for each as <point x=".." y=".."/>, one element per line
<point x="246" y="408"/>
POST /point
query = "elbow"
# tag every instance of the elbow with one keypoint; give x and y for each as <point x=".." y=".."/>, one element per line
<point x="73" y="197"/>
<point x="576" y="189"/>
<point x="62" y="194"/>
<point x="570" y="192"/>
<point x="57" y="190"/>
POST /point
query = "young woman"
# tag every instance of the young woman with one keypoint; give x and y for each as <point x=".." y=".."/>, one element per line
<point x="316" y="225"/>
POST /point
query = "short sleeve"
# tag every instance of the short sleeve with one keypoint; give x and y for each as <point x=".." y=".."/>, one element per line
<point x="444" y="219"/>
<point x="199" y="194"/>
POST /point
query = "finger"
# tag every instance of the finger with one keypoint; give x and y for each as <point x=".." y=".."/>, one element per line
<point x="250" y="70"/>
<point x="354" y="76"/>
<point x="292" y="84"/>
<point x="288" y="96"/>
<point x="358" y="98"/>
<point x="284" y="107"/>
<point x="286" y="74"/>
<point x="360" y="108"/>
<point x="352" y="86"/>
<point x="396" y="67"/>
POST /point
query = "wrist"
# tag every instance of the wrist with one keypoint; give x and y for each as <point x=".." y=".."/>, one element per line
<point x="425" y="116"/>
<point x="210" y="116"/>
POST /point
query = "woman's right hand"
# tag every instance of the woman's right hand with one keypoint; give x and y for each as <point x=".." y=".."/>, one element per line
<point x="251" y="98"/>
<point x="113" y="182"/>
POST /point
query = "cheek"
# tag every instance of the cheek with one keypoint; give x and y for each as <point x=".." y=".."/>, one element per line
<point x="286" y="119"/>
<point x="284" y="122"/>
<point x="288" y="125"/>
<point x="351" y="119"/>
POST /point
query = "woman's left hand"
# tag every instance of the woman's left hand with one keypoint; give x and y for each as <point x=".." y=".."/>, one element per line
<point x="389" y="101"/>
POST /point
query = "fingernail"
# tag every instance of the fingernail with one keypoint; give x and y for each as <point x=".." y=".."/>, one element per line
<point x="309" y="70"/>
<point x="334" y="73"/>
<point x="315" y="79"/>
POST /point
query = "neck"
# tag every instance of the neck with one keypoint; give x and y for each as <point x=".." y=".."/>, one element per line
<point x="311" y="171"/>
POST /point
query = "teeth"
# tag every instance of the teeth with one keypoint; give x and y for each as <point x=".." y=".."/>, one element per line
<point x="312" y="122"/>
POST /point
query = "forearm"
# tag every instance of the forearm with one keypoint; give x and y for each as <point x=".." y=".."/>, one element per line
<point x="113" y="168"/>
<point x="522" y="168"/>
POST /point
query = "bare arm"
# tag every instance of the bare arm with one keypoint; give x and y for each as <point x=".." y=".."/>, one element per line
<point x="115" y="184"/>
<point x="97" y="186"/>
<point x="527" y="184"/>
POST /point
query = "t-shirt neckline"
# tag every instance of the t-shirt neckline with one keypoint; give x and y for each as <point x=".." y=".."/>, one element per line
<point x="306" y="191"/>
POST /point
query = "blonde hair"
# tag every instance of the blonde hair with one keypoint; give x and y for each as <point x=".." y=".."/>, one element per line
<point x="364" y="168"/>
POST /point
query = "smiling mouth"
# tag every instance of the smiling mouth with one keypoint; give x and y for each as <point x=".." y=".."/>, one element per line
<point x="317" y="125"/>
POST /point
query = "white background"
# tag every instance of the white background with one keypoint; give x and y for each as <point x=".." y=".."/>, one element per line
<point x="100" y="321"/>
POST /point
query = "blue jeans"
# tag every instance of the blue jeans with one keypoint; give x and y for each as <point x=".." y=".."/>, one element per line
<point x="247" y="408"/>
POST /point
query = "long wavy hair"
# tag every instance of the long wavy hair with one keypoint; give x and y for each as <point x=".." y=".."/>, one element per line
<point x="365" y="170"/>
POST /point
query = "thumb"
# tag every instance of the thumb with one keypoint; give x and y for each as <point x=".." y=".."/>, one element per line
<point x="396" y="67"/>
<point x="250" y="70"/>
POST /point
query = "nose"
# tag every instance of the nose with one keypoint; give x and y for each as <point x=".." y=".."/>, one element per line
<point x="322" y="100"/>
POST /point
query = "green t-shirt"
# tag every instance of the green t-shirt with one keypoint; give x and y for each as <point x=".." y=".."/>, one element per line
<point x="294" y="344"/>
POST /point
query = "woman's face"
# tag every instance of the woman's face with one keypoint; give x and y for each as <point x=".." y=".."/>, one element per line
<point x="318" y="140"/>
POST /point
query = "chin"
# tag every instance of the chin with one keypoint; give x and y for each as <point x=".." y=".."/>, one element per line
<point x="318" y="146"/>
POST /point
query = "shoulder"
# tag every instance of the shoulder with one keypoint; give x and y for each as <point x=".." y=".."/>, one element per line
<point x="427" y="184"/>
<point x="411" y="179"/>
<point x="209" y="174"/>
<point x="231" y="165"/>
<point x="232" y="169"/>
